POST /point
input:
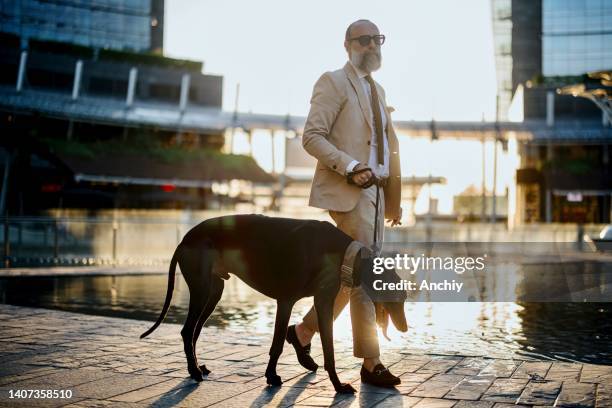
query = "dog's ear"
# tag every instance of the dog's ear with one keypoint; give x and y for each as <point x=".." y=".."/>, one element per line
<point x="382" y="318"/>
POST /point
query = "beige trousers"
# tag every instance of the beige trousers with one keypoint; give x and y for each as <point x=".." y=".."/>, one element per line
<point x="359" y="225"/>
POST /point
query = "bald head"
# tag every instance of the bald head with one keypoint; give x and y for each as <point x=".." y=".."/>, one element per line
<point x="357" y="23"/>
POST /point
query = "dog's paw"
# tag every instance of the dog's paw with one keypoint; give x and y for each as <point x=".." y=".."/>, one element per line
<point x="205" y="371"/>
<point x="274" y="380"/>
<point x="345" y="388"/>
<point x="196" y="375"/>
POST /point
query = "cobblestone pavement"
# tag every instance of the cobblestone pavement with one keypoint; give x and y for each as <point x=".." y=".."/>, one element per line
<point x="103" y="363"/>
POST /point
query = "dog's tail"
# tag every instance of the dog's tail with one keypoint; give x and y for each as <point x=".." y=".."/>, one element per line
<point x="162" y="315"/>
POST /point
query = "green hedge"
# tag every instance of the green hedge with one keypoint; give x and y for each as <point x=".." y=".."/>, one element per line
<point x="142" y="146"/>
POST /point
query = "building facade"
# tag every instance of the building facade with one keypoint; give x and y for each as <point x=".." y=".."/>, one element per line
<point x="540" y="46"/>
<point x="134" y="25"/>
<point x="576" y="37"/>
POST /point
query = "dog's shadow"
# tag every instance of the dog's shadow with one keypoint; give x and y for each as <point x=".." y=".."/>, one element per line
<point x="291" y="393"/>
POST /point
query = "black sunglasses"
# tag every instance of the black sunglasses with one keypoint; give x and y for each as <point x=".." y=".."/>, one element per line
<point x="364" y="40"/>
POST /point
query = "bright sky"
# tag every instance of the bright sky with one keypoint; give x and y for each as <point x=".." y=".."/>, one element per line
<point x="438" y="62"/>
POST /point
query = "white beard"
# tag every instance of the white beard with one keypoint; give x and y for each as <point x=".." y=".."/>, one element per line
<point x="367" y="61"/>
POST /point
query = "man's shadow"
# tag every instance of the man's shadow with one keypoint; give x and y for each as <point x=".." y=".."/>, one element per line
<point x="290" y="397"/>
<point x="177" y="394"/>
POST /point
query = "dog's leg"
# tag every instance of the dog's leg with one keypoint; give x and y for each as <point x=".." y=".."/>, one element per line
<point x="196" y="304"/>
<point x="196" y="269"/>
<point x="324" y="304"/>
<point x="283" y="313"/>
<point x="216" y="290"/>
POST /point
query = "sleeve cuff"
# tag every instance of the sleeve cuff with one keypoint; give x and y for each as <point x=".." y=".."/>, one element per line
<point x="351" y="166"/>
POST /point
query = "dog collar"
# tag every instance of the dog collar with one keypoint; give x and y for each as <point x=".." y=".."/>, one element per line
<point x="347" y="272"/>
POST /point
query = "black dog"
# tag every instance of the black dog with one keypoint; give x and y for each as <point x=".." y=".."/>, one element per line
<point x="285" y="259"/>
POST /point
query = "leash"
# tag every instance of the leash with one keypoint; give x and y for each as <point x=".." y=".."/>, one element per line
<point x="376" y="217"/>
<point x="372" y="181"/>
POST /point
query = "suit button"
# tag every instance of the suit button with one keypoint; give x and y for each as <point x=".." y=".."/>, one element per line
<point x="334" y="167"/>
<point x="369" y="142"/>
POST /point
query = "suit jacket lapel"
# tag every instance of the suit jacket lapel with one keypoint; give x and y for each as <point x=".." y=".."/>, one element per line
<point x="383" y="102"/>
<point x="385" y="110"/>
<point x="364" y="103"/>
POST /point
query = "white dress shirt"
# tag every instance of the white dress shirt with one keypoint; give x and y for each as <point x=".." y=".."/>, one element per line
<point x="380" y="170"/>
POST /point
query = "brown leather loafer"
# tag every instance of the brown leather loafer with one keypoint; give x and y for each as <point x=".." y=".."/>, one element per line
<point x="303" y="352"/>
<point x="380" y="377"/>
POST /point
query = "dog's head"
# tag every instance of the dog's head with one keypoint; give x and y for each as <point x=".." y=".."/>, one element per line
<point x="389" y="304"/>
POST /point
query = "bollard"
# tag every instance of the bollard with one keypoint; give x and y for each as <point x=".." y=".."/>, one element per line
<point x="114" y="244"/>
<point x="580" y="238"/>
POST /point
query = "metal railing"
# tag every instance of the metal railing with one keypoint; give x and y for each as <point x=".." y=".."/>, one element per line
<point x="151" y="240"/>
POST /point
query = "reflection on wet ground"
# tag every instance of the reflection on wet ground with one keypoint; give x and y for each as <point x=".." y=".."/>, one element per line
<point x="561" y="331"/>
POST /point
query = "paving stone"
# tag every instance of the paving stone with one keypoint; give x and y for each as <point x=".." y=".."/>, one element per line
<point x="540" y="393"/>
<point x="406" y="389"/>
<point x="268" y="396"/>
<point x="564" y="371"/>
<point x="362" y="400"/>
<point x="470" y="366"/>
<point x="439" y="365"/>
<point x="22" y="372"/>
<point x="113" y="385"/>
<point x="604" y="395"/>
<point x="94" y="403"/>
<point x="474" y="404"/>
<point x="318" y="378"/>
<point x="503" y="405"/>
<point x="500" y="368"/>
<point x="505" y="390"/>
<point x="63" y="379"/>
<point x="324" y="401"/>
<point x="576" y="395"/>
<point x="470" y="388"/>
<point x="367" y="388"/>
<point x="198" y="395"/>
<point x="154" y="390"/>
<point x="415" y="378"/>
<point x="592" y="373"/>
<point x="408" y="365"/>
<point x="529" y="369"/>
<point x="403" y="401"/>
<point x="437" y="386"/>
<point x="434" y="403"/>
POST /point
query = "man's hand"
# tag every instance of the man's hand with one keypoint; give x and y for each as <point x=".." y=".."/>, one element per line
<point x="361" y="178"/>
<point x="396" y="221"/>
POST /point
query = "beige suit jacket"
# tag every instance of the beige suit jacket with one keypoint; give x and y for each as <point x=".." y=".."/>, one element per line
<point x="337" y="131"/>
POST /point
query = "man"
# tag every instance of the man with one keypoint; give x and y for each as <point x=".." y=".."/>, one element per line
<point x="350" y="133"/>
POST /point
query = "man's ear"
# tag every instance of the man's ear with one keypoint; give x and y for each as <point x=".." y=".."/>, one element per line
<point x="346" y="47"/>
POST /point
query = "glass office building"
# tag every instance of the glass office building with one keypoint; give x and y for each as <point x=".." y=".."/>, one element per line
<point x="501" y="11"/>
<point x="516" y="30"/>
<point x="576" y="36"/>
<point x="542" y="45"/>
<point x="535" y="38"/>
<point x="135" y="25"/>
